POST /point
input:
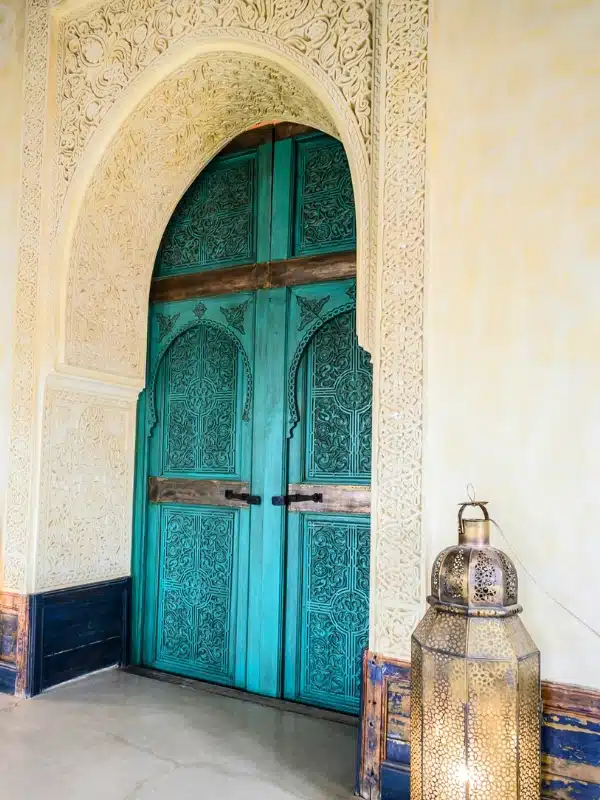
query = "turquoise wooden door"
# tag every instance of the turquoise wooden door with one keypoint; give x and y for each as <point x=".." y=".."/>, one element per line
<point x="329" y="468"/>
<point x="256" y="400"/>
<point x="199" y="454"/>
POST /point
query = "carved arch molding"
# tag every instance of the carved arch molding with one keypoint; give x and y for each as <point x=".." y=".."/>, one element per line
<point x="125" y="103"/>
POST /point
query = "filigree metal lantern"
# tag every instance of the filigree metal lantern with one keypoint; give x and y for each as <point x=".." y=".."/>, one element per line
<point x="475" y="695"/>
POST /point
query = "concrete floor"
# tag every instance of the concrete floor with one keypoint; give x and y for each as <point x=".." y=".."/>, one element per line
<point x="115" y="736"/>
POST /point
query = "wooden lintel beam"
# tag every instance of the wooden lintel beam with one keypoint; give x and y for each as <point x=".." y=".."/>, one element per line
<point x="189" y="491"/>
<point x="290" y="272"/>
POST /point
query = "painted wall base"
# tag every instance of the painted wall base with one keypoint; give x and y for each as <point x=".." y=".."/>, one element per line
<point x="13" y="641"/>
<point x="570" y="736"/>
<point x="73" y="632"/>
<point x="52" y="637"/>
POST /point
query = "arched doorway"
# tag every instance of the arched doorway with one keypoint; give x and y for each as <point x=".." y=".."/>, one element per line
<point x="254" y="440"/>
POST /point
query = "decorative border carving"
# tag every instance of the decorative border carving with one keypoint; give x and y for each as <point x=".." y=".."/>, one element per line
<point x="333" y="44"/>
<point x="23" y="418"/>
<point x="397" y="554"/>
<point x="103" y="48"/>
<point x="188" y="115"/>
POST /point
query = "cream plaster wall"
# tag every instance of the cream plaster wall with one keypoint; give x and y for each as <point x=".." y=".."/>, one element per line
<point x="513" y="299"/>
<point x="12" y="24"/>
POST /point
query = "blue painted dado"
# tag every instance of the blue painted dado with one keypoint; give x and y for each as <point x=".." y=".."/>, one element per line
<point x="570" y="736"/>
<point x="76" y="631"/>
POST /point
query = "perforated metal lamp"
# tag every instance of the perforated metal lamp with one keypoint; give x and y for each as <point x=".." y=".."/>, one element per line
<point x="475" y="694"/>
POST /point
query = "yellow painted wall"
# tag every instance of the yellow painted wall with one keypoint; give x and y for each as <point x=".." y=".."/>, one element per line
<point x="513" y="300"/>
<point x="12" y="24"/>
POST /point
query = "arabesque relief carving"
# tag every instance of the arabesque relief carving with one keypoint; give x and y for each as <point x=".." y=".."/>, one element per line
<point x="85" y="503"/>
<point x="368" y="58"/>
<point x="24" y="412"/>
<point x="185" y="120"/>
<point x="398" y="409"/>
<point x="105" y="47"/>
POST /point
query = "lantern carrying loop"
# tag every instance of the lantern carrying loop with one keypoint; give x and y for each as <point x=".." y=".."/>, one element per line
<point x="481" y="504"/>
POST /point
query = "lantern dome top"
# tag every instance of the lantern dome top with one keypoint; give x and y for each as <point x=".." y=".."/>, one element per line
<point x="472" y="577"/>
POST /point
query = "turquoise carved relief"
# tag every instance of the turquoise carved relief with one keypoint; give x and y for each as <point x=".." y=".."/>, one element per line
<point x="324" y="217"/>
<point x="201" y="376"/>
<point x="195" y="593"/>
<point x="340" y="388"/>
<point x="335" y="609"/>
<point x="214" y="225"/>
<point x="225" y="321"/>
<point x="225" y="374"/>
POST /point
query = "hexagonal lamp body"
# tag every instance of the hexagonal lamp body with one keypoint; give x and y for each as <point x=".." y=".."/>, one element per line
<point x="475" y="694"/>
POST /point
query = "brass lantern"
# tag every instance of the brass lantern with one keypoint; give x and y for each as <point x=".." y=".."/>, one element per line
<point x="475" y="695"/>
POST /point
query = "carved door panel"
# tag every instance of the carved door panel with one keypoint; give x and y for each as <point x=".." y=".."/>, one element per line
<point x="328" y="525"/>
<point x="199" y="467"/>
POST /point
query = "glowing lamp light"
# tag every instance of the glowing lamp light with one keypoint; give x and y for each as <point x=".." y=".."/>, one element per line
<point x="475" y="694"/>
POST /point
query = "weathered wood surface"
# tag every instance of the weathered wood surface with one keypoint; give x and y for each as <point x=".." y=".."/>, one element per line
<point x="14" y="632"/>
<point x="562" y="697"/>
<point x="312" y="269"/>
<point x="337" y="499"/>
<point x="210" y="282"/>
<point x="189" y="491"/>
<point x="247" y="278"/>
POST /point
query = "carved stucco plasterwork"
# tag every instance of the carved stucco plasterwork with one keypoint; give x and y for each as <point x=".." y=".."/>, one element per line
<point x="104" y="48"/>
<point x="397" y="548"/>
<point x="396" y="212"/>
<point x="21" y="443"/>
<point x="154" y="156"/>
<point x="85" y="502"/>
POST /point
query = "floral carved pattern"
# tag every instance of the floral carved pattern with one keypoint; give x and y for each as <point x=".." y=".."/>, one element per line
<point x="105" y="48"/>
<point x="195" y="589"/>
<point x="214" y="222"/>
<point x="199" y="403"/>
<point x="189" y="116"/>
<point x="166" y="324"/>
<point x="325" y="202"/>
<point x="85" y="508"/>
<point x="335" y="609"/>
<point x="339" y="404"/>
<point x="235" y="315"/>
<point x="401" y="61"/>
<point x="24" y="411"/>
<point x="310" y="310"/>
<point x="199" y="310"/>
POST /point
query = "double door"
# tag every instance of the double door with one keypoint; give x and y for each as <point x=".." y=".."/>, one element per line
<point x="256" y="434"/>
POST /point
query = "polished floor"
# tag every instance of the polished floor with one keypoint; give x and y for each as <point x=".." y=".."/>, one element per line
<point x="116" y="736"/>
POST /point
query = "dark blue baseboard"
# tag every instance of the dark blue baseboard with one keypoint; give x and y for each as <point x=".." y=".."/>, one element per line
<point x="395" y="781"/>
<point x="76" y="631"/>
<point x="8" y="679"/>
